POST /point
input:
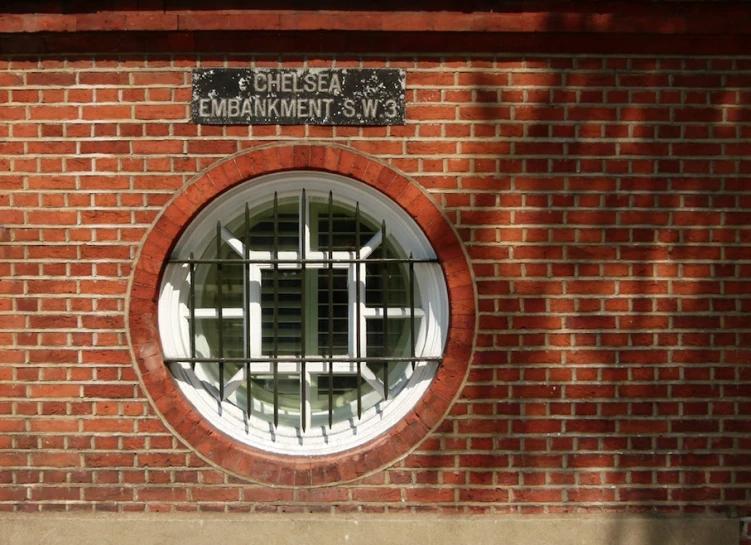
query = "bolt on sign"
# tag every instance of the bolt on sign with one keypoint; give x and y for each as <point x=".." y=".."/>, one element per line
<point x="289" y="96"/>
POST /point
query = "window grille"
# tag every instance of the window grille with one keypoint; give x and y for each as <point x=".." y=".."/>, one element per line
<point x="307" y="297"/>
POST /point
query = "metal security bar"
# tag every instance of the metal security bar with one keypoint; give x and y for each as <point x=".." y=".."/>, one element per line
<point x="234" y="250"/>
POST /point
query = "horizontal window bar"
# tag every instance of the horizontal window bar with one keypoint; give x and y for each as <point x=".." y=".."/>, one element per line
<point x="237" y="313"/>
<point x="300" y="261"/>
<point x="288" y="359"/>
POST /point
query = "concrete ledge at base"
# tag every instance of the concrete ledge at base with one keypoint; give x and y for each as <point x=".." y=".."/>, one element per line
<point x="350" y="529"/>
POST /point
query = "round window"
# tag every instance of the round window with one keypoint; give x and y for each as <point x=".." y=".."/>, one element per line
<point x="303" y="313"/>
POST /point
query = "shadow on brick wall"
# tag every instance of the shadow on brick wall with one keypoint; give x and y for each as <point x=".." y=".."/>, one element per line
<point x="616" y="331"/>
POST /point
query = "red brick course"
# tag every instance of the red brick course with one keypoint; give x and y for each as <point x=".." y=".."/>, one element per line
<point x="614" y="17"/>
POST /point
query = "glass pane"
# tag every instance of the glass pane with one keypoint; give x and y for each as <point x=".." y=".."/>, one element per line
<point x="398" y="338"/>
<point x="397" y="281"/>
<point x="207" y="290"/>
<point x="345" y="397"/>
<point x="207" y="299"/>
<point x="262" y="227"/>
<point x="338" y="319"/>
<point x="289" y="392"/>
<point x="288" y="311"/>
<point x="343" y="227"/>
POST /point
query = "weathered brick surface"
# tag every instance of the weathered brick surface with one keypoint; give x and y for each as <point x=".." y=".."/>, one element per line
<point x="603" y="201"/>
<point x="703" y="18"/>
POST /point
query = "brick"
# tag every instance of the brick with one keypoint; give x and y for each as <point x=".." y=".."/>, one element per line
<point x="50" y="78"/>
<point x="163" y="112"/>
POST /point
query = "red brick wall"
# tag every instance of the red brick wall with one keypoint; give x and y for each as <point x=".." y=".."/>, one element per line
<point x="604" y="202"/>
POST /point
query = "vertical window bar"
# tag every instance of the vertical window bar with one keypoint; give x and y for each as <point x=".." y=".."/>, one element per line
<point x="385" y="289"/>
<point x="303" y="312"/>
<point x="219" y="304"/>
<point x="276" y="310"/>
<point x="246" y="311"/>
<point x="331" y="309"/>
<point x="412" y="310"/>
<point x="192" y="311"/>
<point x="358" y="340"/>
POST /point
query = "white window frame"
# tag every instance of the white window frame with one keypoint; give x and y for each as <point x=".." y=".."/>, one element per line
<point x="346" y="433"/>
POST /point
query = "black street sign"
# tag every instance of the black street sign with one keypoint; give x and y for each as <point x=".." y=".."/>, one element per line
<point x="290" y="96"/>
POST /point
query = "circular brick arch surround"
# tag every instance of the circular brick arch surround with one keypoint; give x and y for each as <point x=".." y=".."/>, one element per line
<point x="256" y="465"/>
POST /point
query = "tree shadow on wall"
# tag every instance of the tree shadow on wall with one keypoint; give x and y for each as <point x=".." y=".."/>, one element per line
<point x="627" y="311"/>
